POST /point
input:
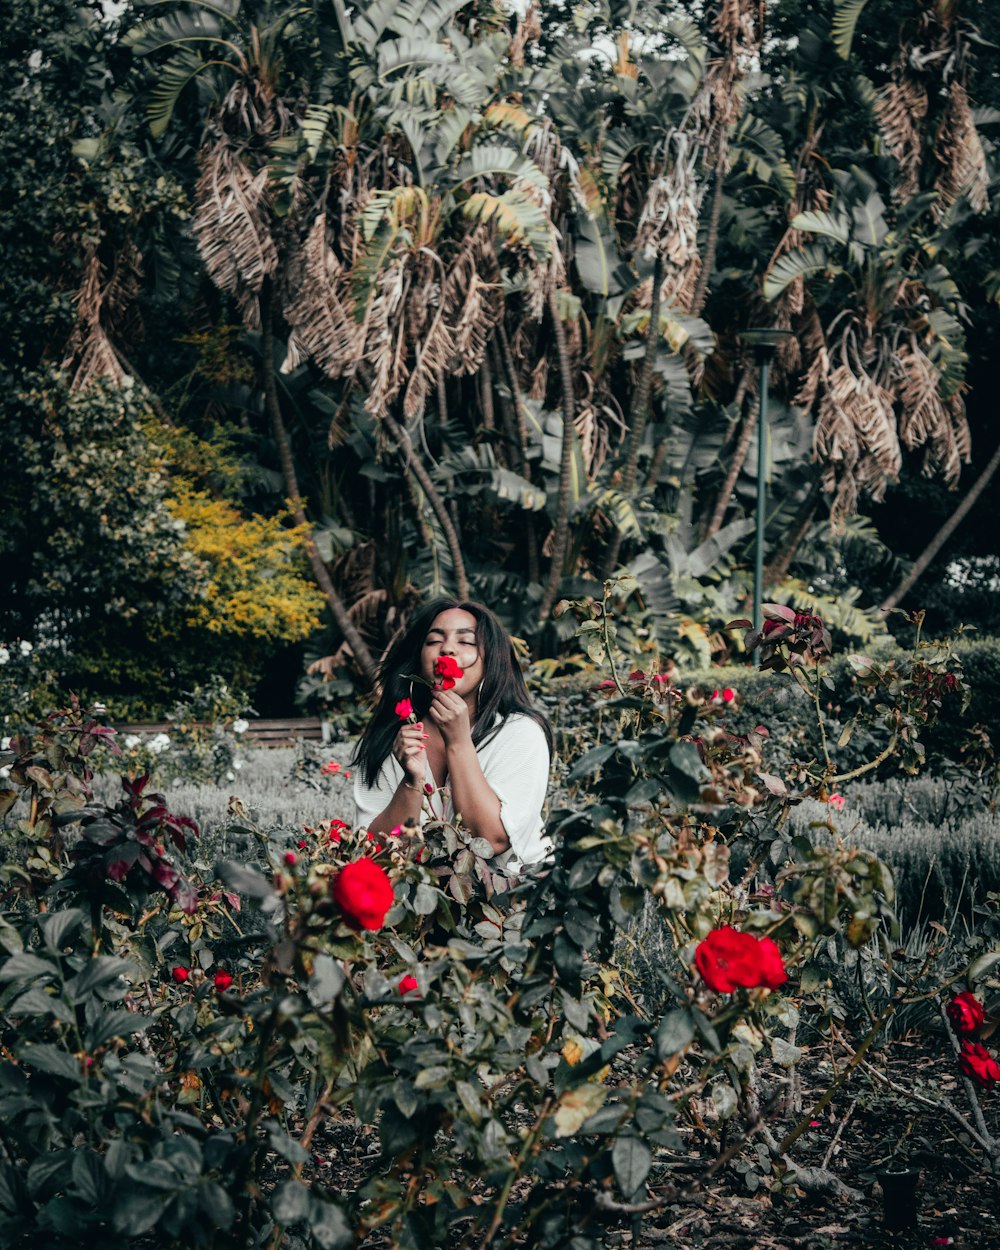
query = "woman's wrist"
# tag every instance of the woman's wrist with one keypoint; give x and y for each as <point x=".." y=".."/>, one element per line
<point x="409" y="785"/>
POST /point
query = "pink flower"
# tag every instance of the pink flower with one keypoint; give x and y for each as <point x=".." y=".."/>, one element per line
<point x="404" y="709"/>
<point x="837" y="801"/>
<point x="331" y="766"/>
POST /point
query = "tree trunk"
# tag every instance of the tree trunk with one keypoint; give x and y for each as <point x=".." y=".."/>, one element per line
<point x="560" y="541"/>
<point x="486" y="395"/>
<point x="944" y="533"/>
<point x="506" y="358"/>
<point x="778" y="570"/>
<point x="322" y="575"/>
<point x="712" y="234"/>
<point x="739" y="456"/>
<point x="639" y="410"/>
<point x="402" y="441"/>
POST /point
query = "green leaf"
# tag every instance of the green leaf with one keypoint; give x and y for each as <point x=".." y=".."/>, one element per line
<point x="117" y="1023"/>
<point x="831" y="225"/>
<point x="845" y="19"/>
<point x="325" y="983"/>
<point x="675" y="1033"/>
<point x="632" y="1159"/>
<point x="24" y="965"/>
<point x="44" y="1057"/>
<point x="290" y="1203"/>
<point x="794" y="264"/>
<point x="329" y="1225"/>
<point x="57" y="926"/>
<point x="136" y="1211"/>
<point x="981" y="966"/>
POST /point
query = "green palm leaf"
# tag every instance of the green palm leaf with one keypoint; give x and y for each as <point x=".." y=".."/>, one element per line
<point x="515" y="216"/>
<point x="830" y="225"/>
<point x="792" y="265"/>
<point x="174" y="76"/>
<point x="175" y="28"/>
<point x="845" y="20"/>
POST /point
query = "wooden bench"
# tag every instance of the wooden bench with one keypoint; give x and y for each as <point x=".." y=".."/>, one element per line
<point x="262" y="732"/>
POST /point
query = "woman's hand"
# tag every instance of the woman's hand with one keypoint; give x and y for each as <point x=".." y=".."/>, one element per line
<point x="410" y="750"/>
<point x="450" y="713"/>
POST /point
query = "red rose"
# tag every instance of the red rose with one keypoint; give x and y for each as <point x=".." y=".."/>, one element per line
<point x="337" y="828"/>
<point x="728" y="695"/>
<point x="978" y="1064"/>
<point x="180" y="974"/>
<point x="966" y="1014"/>
<point x="447" y="670"/>
<point x="363" y="892"/>
<point x="404" y="709"/>
<point x="223" y="981"/>
<point x="408" y="984"/>
<point x="302" y="845"/>
<point x="728" y="959"/>
<point x="771" y="966"/>
<point x="290" y="858"/>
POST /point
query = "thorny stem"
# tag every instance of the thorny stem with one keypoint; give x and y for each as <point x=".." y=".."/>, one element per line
<point x="607" y="645"/>
<point x="529" y="1145"/>
<point x="866" y="768"/>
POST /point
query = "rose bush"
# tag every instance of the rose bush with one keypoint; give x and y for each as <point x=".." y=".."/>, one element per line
<point x="491" y="1034"/>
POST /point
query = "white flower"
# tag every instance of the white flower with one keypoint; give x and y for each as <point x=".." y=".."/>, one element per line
<point x="131" y="741"/>
<point x="230" y="776"/>
<point x="4" y="655"/>
<point x="159" y="743"/>
<point x="4" y="773"/>
<point x="5" y="743"/>
<point x="25" y="648"/>
<point x="240" y="726"/>
<point x="237" y="764"/>
<point x="98" y="709"/>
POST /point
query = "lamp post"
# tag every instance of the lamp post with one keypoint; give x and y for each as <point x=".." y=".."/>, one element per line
<point x="765" y="343"/>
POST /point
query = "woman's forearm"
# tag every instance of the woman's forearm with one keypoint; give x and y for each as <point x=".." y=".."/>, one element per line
<point x="472" y="798"/>
<point x="404" y="807"/>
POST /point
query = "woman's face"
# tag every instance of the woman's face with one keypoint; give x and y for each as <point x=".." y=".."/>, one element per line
<point x="453" y="633"/>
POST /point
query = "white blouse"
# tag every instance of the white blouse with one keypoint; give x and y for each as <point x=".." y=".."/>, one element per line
<point x="515" y="763"/>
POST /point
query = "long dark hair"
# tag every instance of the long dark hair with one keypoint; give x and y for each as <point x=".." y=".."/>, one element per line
<point x="502" y="690"/>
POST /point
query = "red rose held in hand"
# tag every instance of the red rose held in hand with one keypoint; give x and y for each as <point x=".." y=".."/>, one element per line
<point x="404" y="709"/>
<point x="363" y="892"/>
<point x="728" y="959"/>
<point x="966" y="1014"/>
<point x="447" y="671"/>
<point x="978" y="1064"/>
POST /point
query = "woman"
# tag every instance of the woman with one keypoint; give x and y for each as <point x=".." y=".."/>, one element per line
<point x="477" y="734"/>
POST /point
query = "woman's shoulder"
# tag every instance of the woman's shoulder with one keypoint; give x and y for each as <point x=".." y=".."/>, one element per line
<point x="518" y="728"/>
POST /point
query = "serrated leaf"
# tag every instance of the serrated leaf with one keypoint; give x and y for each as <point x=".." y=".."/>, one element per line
<point x="631" y="1159"/>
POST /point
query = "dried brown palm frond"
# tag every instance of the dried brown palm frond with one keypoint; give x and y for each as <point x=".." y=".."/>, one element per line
<point x="529" y="31"/>
<point x="856" y="438"/>
<point x="814" y="356"/>
<point x="539" y="382"/>
<point x="900" y="107"/>
<point x="474" y="304"/>
<point x="101" y="298"/>
<point x="231" y="226"/>
<point x="959" y="152"/>
<point x="668" y="225"/>
<point x="385" y="344"/>
<point x="317" y="306"/>
<point x="434" y="346"/>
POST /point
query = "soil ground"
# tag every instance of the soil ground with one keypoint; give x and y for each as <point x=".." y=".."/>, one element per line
<point x="867" y="1128"/>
